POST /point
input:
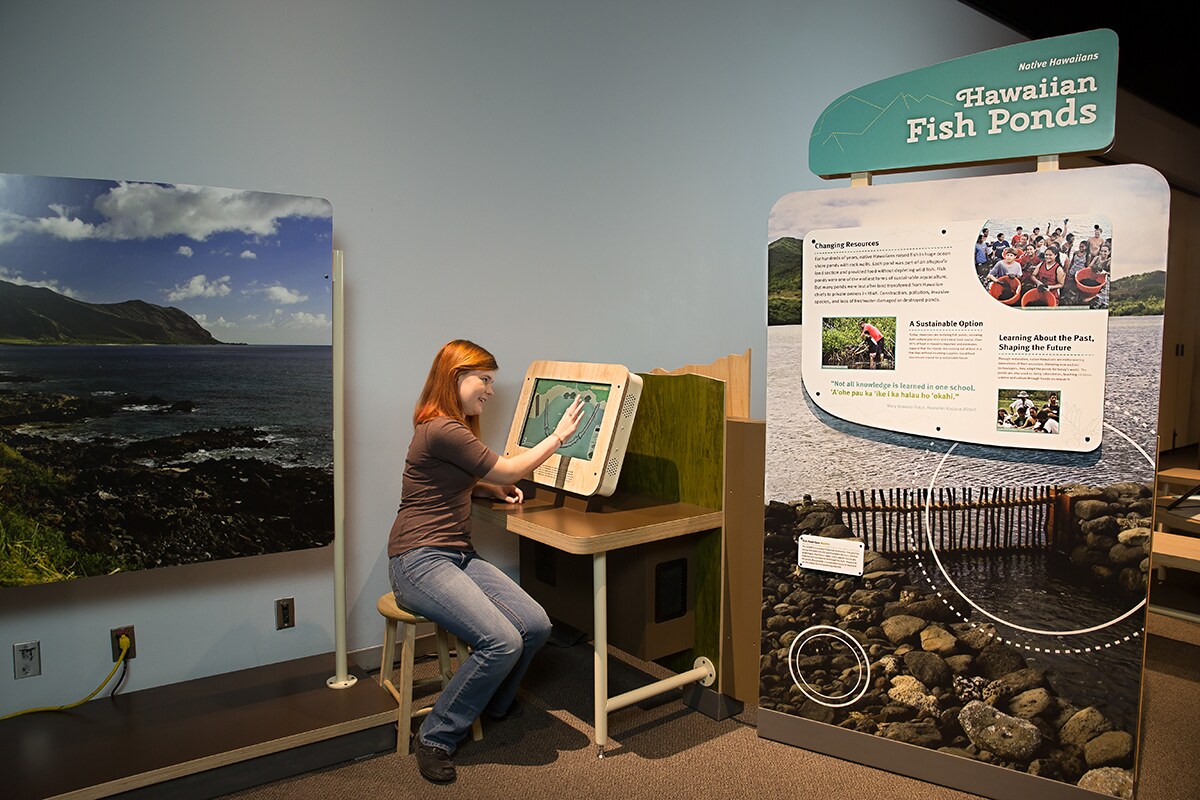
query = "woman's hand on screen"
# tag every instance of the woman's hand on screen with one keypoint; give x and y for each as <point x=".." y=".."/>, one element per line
<point x="570" y="421"/>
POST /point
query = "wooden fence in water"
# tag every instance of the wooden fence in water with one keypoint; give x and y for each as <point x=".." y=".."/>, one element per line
<point x="988" y="518"/>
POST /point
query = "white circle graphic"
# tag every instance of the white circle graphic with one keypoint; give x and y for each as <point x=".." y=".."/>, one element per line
<point x="976" y="606"/>
<point x="863" y="663"/>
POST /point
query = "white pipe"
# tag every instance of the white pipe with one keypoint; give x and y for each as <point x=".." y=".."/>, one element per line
<point x="600" y="640"/>
<point x="342" y="678"/>
<point x="658" y="687"/>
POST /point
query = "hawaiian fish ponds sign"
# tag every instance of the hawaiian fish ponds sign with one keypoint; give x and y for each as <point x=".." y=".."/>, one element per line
<point x="1045" y="97"/>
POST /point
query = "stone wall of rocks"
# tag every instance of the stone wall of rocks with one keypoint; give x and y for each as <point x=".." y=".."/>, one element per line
<point x="935" y="682"/>
<point x="1109" y="533"/>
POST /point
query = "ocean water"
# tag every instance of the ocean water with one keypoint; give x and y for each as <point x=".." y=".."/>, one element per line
<point x="1038" y="589"/>
<point x="284" y="392"/>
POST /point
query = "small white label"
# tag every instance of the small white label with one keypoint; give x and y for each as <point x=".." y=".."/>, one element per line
<point x="843" y="556"/>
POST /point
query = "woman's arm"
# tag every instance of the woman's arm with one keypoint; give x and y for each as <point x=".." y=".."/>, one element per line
<point x="509" y="493"/>
<point x="510" y="469"/>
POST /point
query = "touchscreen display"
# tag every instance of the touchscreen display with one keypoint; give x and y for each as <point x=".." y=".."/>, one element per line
<point x="550" y="400"/>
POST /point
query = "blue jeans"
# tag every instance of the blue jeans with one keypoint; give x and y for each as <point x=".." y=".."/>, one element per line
<point x="481" y="605"/>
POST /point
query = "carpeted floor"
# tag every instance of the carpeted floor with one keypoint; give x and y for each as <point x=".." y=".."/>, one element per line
<point x="662" y="750"/>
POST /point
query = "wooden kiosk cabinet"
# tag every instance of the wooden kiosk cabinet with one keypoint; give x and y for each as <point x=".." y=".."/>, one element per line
<point x="660" y="545"/>
<point x="656" y="584"/>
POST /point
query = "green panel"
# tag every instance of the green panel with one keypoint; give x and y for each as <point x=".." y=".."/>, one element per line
<point x="676" y="452"/>
<point x="708" y="605"/>
<point x="675" y="448"/>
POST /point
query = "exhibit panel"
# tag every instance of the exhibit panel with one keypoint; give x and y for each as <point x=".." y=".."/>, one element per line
<point x="165" y="375"/>
<point x="960" y="488"/>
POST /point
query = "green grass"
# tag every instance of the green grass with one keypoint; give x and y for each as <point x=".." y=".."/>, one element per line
<point x="1141" y="307"/>
<point x="31" y="551"/>
<point x="1138" y="295"/>
<point x="785" y="308"/>
<point x="785" y="281"/>
<point x="21" y="478"/>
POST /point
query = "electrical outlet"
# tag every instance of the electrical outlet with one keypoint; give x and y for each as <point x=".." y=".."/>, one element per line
<point x="27" y="660"/>
<point x="285" y="613"/>
<point x="115" y="636"/>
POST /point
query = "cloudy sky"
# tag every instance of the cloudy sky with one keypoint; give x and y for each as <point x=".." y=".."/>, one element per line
<point x="248" y="266"/>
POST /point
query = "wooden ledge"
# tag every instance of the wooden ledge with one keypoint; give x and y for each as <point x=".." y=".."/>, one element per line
<point x="623" y="520"/>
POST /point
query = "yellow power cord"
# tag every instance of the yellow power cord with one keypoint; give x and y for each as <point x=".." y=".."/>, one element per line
<point x="125" y="645"/>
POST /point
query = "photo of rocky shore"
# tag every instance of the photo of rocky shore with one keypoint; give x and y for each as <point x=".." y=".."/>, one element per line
<point x="75" y="508"/>
<point x="166" y="381"/>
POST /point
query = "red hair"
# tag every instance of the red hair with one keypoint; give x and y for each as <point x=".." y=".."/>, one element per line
<point x="439" y="397"/>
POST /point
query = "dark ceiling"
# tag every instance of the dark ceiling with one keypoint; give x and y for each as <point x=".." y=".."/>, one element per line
<point x="1153" y="56"/>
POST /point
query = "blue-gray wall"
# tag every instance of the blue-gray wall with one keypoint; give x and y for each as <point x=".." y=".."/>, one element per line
<point x="521" y="173"/>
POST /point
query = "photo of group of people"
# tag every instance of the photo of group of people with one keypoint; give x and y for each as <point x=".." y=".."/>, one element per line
<point x="1025" y="265"/>
<point x="858" y="342"/>
<point x="1029" y="411"/>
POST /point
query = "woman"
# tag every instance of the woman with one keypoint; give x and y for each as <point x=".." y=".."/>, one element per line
<point x="1102" y="261"/>
<point x="981" y="255"/>
<point x="1049" y="273"/>
<point x="436" y="572"/>
<point x="1030" y="261"/>
<point x="1024" y="418"/>
<point x="1078" y="260"/>
<point x="1027" y="255"/>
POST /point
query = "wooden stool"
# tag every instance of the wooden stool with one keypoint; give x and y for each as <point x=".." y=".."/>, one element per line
<point x="393" y="614"/>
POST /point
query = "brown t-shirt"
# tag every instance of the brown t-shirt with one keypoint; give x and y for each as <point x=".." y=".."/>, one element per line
<point x="444" y="462"/>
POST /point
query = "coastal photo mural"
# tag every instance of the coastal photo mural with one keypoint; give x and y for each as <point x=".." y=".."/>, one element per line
<point x="165" y="376"/>
<point x="958" y="534"/>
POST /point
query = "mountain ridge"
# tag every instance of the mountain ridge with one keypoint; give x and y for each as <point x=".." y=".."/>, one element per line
<point x="38" y="315"/>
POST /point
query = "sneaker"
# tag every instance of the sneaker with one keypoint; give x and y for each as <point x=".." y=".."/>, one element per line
<point x="434" y="763"/>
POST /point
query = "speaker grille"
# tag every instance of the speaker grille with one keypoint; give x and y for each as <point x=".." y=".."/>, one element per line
<point x="670" y="590"/>
<point x="628" y="407"/>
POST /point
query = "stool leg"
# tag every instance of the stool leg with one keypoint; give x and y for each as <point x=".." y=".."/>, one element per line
<point x="460" y="647"/>
<point x="445" y="668"/>
<point x="404" y="721"/>
<point x="387" y="657"/>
